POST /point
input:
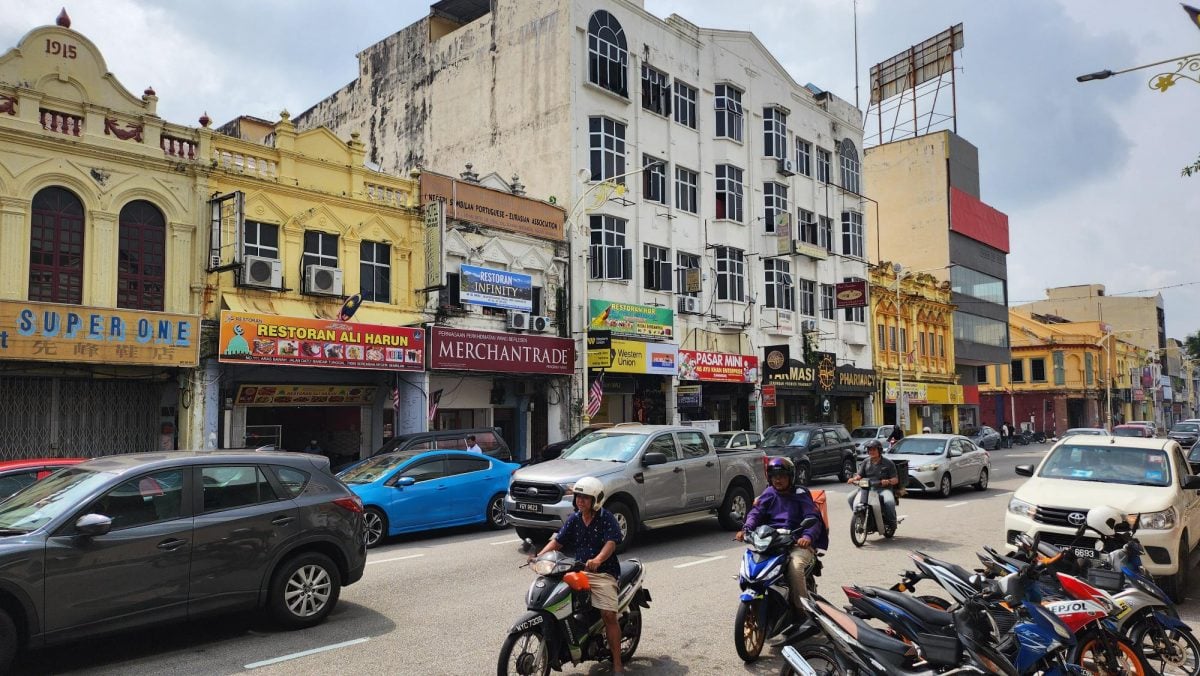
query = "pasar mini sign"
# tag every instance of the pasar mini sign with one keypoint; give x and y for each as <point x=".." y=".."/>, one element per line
<point x="717" y="366"/>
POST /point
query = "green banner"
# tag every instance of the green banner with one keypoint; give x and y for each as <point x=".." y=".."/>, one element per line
<point x="636" y="321"/>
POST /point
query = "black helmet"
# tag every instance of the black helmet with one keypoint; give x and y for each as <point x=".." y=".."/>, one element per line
<point x="781" y="466"/>
<point x="875" y="444"/>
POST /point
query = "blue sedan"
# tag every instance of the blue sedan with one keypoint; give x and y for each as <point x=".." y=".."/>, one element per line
<point x="410" y="491"/>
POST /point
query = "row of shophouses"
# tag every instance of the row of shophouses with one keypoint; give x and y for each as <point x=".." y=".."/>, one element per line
<point x="340" y="277"/>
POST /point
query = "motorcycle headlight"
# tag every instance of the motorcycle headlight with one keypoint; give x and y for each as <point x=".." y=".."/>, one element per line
<point x="544" y="566"/>
<point x="1164" y="520"/>
<point x="1021" y="508"/>
<point x="931" y="467"/>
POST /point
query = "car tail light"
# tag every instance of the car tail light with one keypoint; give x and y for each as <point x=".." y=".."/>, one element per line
<point x="351" y="503"/>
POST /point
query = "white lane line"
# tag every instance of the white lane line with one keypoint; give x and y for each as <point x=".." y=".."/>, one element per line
<point x="957" y="504"/>
<point x="504" y="542"/>
<point x="305" y="653"/>
<point x="398" y="558"/>
<point x="696" y="563"/>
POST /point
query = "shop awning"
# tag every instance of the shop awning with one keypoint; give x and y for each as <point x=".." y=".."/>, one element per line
<point x="289" y="307"/>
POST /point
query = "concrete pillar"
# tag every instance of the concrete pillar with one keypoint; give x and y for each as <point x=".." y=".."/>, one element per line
<point x="209" y="390"/>
<point x="1061" y="422"/>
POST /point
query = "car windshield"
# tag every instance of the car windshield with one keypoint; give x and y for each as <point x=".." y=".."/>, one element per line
<point x="1186" y="427"/>
<point x="1085" y="430"/>
<point x="1131" y="431"/>
<point x="864" y="433"/>
<point x="42" y="502"/>
<point x="919" y="446"/>
<point x="374" y="468"/>
<point x="1108" y="464"/>
<point x="786" y="438"/>
<point x="721" y="440"/>
<point x="611" y="446"/>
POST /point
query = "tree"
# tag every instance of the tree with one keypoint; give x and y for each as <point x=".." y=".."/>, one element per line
<point x="1193" y="168"/>
<point x="1192" y="345"/>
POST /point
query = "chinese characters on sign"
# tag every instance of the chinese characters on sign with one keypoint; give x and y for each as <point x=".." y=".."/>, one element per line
<point x="297" y="341"/>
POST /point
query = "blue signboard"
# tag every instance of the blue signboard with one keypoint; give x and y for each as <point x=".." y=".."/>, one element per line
<point x="495" y="288"/>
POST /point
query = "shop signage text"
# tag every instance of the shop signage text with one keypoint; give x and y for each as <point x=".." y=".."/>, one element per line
<point x="305" y="395"/>
<point x="775" y="360"/>
<point x="688" y="396"/>
<point x="462" y="349"/>
<point x="248" y="338"/>
<point x="924" y="393"/>
<point x="851" y="294"/>
<point x="768" y="396"/>
<point x="824" y="376"/>
<point x="495" y="288"/>
<point x="477" y="204"/>
<point x="638" y="321"/>
<point x="631" y="356"/>
<point x="435" y="244"/>
<point x="717" y="367"/>
<point x="77" y="334"/>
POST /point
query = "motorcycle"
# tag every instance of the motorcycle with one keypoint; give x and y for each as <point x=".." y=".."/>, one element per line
<point x="764" y="609"/>
<point x="868" y="514"/>
<point x="561" y="625"/>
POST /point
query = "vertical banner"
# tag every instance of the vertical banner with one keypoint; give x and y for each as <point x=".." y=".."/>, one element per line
<point x="435" y="250"/>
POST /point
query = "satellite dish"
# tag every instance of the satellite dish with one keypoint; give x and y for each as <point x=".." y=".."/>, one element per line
<point x="350" y="307"/>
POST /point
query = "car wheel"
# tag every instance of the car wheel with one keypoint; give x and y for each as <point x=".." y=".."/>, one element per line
<point x="8" y="641"/>
<point x="375" y="527"/>
<point x="847" y="470"/>
<point x="803" y="474"/>
<point x="1176" y="585"/>
<point x="982" y="484"/>
<point x="945" y="486"/>
<point x="737" y="505"/>
<point x="304" y="590"/>
<point x="626" y="521"/>
<point x="497" y="518"/>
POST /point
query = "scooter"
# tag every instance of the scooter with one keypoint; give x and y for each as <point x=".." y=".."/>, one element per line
<point x="764" y="609"/>
<point x="561" y="625"/>
<point x="868" y="514"/>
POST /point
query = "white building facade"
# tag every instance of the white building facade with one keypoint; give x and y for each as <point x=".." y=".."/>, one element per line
<point x="713" y="140"/>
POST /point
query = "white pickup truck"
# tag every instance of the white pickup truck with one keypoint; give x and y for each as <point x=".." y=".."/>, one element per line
<point x="653" y="476"/>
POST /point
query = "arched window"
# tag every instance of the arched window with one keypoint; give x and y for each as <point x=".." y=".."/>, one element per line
<point x="851" y="169"/>
<point x="141" y="257"/>
<point x="56" y="247"/>
<point x="608" y="56"/>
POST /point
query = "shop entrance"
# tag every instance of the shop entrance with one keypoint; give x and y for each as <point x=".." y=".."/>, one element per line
<point x="337" y="429"/>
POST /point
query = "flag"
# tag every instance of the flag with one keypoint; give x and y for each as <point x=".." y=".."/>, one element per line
<point x="350" y="307"/>
<point x="1193" y="14"/>
<point x="595" y="395"/>
<point x="433" y="404"/>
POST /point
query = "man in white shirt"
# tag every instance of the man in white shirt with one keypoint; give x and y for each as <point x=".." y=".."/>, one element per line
<point x="472" y="446"/>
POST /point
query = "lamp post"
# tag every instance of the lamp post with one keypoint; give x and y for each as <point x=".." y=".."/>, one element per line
<point x="1105" y="342"/>
<point x="901" y="408"/>
<point x="1188" y="63"/>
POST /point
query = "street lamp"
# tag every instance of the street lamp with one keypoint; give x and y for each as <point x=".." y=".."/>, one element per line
<point x="1105" y="342"/>
<point x="901" y="408"/>
<point x="1161" y="81"/>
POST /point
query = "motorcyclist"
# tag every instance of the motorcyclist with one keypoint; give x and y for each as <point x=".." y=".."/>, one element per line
<point x="593" y="533"/>
<point x="881" y="472"/>
<point x="783" y="505"/>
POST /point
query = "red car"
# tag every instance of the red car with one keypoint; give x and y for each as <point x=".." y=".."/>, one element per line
<point x="1132" y="430"/>
<point x="17" y="474"/>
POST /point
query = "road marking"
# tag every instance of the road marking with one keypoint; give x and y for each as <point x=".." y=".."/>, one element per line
<point x="505" y="542"/>
<point x="305" y="653"/>
<point x="957" y="504"/>
<point x="398" y="558"/>
<point x="696" y="563"/>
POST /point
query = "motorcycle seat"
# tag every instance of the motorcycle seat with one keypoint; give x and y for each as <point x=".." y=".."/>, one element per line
<point x="925" y="613"/>
<point x="954" y="568"/>
<point x="865" y="633"/>
<point x="630" y="570"/>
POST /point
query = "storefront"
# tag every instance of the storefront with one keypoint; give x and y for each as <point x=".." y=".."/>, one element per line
<point x="289" y="381"/>
<point x="638" y="368"/>
<point x="496" y="379"/>
<point x="932" y="405"/>
<point x="821" y="391"/>
<point x="83" y="381"/>
<point x="716" y="386"/>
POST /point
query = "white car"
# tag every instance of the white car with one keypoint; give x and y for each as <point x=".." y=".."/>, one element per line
<point x="861" y="435"/>
<point x="1147" y="477"/>
<point x="938" y="463"/>
<point x="728" y="441"/>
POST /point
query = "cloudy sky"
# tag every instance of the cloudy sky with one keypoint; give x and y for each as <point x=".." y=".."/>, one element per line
<point x="1088" y="173"/>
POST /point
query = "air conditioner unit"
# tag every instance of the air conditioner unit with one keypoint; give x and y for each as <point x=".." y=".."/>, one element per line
<point x="689" y="305"/>
<point x="322" y="281"/>
<point x="808" y="325"/>
<point x="266" y="273"/>
<point x="518" y="321"/>
<point x="785" y="167"/>
<point x="539" y="324"/>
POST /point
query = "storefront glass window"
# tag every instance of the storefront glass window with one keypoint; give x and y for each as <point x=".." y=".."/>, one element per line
<point x="976" y="284"/>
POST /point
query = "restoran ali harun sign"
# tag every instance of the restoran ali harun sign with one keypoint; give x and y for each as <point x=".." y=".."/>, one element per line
<point x="248" y="338"/>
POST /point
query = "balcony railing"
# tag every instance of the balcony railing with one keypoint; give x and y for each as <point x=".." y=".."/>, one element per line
<point x="386" y="195"/>
<point x="62" y="123"/>
<point x="245" y="164"/>
<point x="182" y="148"/>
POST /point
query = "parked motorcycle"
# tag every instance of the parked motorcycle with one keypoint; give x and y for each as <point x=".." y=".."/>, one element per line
<point x="868" y="514"/>
<point x="765" y="610"/>
<point x="561" y="625"/>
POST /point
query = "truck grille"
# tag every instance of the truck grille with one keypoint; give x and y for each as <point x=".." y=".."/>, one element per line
<point x="531" y="491"/>
<point x="1060" y="516"/>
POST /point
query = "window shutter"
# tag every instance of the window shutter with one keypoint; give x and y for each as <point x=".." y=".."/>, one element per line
<point x="1060" y="372"/>
<point x="562" y="316"/>
<point x="597" y="254"/>
<point x="627" y="263"/>
<point x="448" y="297"/>
<point x="537" y="301"/>
<point x="664" y="275"/>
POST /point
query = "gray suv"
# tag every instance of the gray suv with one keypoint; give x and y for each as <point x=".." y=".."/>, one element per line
<point x="127" y="541"/>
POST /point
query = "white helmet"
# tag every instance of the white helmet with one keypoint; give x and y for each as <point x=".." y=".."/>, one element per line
<point x="1104" y="519"/>
<point x="591" y="487"/>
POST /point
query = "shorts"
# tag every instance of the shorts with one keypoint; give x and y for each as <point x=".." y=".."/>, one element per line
<point x="604" y="591"/>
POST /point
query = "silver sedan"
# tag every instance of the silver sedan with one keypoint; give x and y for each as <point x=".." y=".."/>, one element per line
<point x="939" y="463"/>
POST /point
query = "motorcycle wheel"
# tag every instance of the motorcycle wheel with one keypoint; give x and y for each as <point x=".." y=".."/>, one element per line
<point x="820" y="657"/>
<point x="1169" y="652"/>
<point x="858" y="529"/>
<point x="631" y="634"/>
<point x="1091" y="654"/>
<point x="750" y="629"/>
<point x="524" y="654"/>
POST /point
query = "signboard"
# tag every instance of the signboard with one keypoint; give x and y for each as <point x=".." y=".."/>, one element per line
<point x="768" y="396"/>
<point x="599" y="349"/>
<point x="693" y="280"/>
<point x="84" y="335"/>
<point x="717" y="367"/>
<point x="631" y="356"/>
<point x="783" y="233"/>
<point x="851" y="294"/>
<point x="1139" y="394"/>
<point x="435" y="244"/>
<point x="688" y="396"/>
<point x="497" y="352"/>
<point x="813" y="251"/>
<point x="495" y="288"/>
<point x="248" y="338"/>
<point x="776" y="359"/>
<point x="476" y="204"/>
<point x="823" y="376"/>
<point x="638" y="321"/>
<point x="305" y="395"/>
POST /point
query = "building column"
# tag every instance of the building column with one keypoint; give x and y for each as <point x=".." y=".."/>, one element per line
<point x="14" y="236"/>
<point x="1061" y="421"/>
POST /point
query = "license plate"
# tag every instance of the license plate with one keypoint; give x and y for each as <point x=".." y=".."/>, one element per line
<point x="529" y="507"/>
<point x="1085" y="553"/>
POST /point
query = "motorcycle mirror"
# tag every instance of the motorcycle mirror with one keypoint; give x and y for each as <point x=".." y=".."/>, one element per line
<point x="808" y="522"/>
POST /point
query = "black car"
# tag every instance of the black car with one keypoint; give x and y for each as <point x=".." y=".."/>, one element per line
<point x="818" y="449"/>
<point x="487" y="438"/>
<point x="129" y="541"/>
<point x="1186" y="433"/>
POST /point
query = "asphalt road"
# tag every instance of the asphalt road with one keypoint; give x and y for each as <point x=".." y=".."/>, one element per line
<point x="441" y="603"/>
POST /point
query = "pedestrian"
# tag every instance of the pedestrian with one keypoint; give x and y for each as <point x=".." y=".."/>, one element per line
<point x="1005" y="438"/>
<point x="314" y="447"/>
<point x="472" y="446"/>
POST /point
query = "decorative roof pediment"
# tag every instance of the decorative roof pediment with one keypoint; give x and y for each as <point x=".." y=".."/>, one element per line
<point x="322" y="144"/>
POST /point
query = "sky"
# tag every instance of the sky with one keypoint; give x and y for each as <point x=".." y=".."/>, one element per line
<point x="1088" y="173"/>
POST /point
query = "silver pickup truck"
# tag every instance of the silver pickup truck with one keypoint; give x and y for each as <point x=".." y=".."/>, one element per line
<point x="653" y="476"/>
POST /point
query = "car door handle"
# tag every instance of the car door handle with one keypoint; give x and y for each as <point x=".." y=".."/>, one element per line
<point x="710" y="463"/>
<point x="282" y="520"/>
<point x="442" y="488"/>
<point x="172" y="544"/>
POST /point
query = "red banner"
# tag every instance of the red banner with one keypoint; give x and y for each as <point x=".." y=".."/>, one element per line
<point x="247" y="338"/>
<point x="718" y="367"/>
<point x="971" y="217"/>
<point x="768" y="396"/>
<point x="467" y="350"/>
<point x="851" y="294"/>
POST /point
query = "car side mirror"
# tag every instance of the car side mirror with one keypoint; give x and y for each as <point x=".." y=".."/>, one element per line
<point x="654" y="458"/>
<point x="1024" y="470"/>
<point x="1192" y="482"/>
<point x="955" y="452"/>
<point x="92" y="525"/>
<point x="404" y="482"/>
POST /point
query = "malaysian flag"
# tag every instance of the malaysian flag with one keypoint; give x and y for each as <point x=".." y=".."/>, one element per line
<point x="595" y="396"/>
<point x="433" y="404"/>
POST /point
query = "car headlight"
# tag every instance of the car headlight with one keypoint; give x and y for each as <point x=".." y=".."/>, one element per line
<point x="568" y="490"/>
<point x="931" y="467"/>
<point x="1021" y="508"/>
<point x="1164" y="520"/>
